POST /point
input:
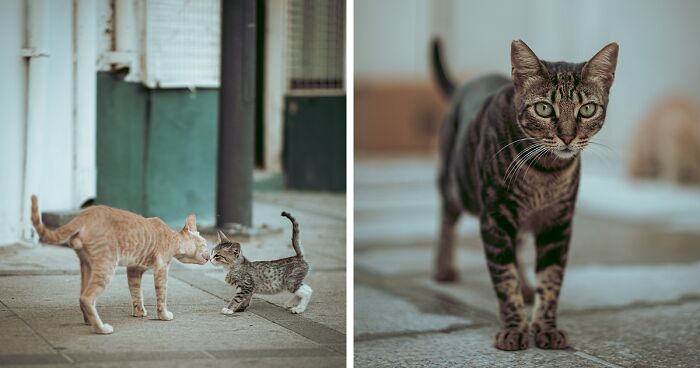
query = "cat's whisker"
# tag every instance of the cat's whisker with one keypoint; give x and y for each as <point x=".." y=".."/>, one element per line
<point x="598" y="144"/>
<point x="514" y="163"/>
<point x="510" y="144"/>
<point x="523" y="161"/>
<point x="526" y="162"/>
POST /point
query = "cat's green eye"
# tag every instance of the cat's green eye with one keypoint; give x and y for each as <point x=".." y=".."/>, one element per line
<point x="587" y="110"/>
<point x="543" y="109"/>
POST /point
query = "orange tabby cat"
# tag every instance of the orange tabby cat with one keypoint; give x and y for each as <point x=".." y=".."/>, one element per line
<point x="666" y="145"/>
<point x="104" y="237"/>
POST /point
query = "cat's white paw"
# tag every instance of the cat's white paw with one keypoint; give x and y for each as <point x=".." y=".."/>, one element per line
<point x="165" y="316"/>
<point x="297" y="310"/>
<point x="226" y="311"/>
<point x="292" y="302"/>
<point x="139" y="312"/>
<point x="105" y="330"/>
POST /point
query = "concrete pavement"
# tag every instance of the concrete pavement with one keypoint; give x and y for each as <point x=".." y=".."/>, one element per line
<point x="631" y="294"/>
<point x="41" y="323"/>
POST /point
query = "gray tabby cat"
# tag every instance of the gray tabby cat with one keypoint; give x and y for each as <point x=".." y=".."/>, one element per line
<point x="509" y="153"/>
<point x="263" y="277"/>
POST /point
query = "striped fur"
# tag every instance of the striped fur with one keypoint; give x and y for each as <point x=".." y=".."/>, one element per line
<point x="105" y="237"/>
<point x="295" y="233"/>
<point x="519" y="172"/>
<point x="263" y="277"/>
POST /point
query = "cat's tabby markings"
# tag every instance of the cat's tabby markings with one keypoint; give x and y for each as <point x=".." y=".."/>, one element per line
<point x="263" y="277"/>
<point x="104" y="237"/>
<point x="509" y="153"/>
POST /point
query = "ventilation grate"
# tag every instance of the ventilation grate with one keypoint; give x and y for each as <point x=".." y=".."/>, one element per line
<point x="316" y="46"/>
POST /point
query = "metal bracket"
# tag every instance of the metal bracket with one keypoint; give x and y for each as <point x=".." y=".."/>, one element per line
<point x="33" y="53"/>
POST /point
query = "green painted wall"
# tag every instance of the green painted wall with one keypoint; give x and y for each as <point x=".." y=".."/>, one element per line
<point x="314" y="143"/>
<point x="156" y="150"/>
<point x="121" y="135"/>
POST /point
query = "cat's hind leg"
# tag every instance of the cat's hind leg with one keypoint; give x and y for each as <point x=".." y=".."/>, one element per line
<point x="446" y="271"/>
<point x="85" y="272"/>
<point x="99" y="279"/>
<point x="134" y="275"/>
<point x="304" y="293"/>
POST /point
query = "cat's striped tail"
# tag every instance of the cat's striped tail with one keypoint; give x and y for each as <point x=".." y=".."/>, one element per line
<point x="295" y="233"/>
<point x="60" y="236"/>
<point x="442" y="77"/>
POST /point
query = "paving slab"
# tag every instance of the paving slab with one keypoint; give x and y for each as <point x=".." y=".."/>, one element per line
<point x="404" y="317"/>
<point x="194" y="328"/>
<point x="327" y="302"/>
<point x="41" y="323"/>
<point x="175" y="362"/>
<point x="18" y="338"/>
<point x="630" y="296"/>
<point x="468" y="348"/>
<point x="60" y="291"/>
<point x="661" y="336"/>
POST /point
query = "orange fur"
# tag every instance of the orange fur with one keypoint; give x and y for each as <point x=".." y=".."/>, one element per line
<point x="105" y="237"/>
<point x="667" y="143"/>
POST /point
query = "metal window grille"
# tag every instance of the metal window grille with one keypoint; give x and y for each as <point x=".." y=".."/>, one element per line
<point x="316" y="46"/>
<point x="183" y="43"/>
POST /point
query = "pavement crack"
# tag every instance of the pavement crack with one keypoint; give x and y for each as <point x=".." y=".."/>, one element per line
<point x="391" y="335"/>
<point x="595" y="359"/>
<point x="683" y="299"/>
<point x="423" y="298"/>
<point x="30" y="327"/>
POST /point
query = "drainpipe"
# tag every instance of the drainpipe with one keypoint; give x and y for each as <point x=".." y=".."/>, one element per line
<point x="125" y="37"/>
<point x="37" y="54"/>
<point x="85" y="164"/>
<point x="236" y="114"/>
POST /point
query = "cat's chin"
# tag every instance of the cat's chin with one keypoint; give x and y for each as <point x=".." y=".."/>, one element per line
<point x="565" y="154"/>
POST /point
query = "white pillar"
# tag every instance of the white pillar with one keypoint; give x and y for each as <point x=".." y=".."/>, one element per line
<point x="275" y="82"/>
<point x="38" y="53"/>
<point x="85" y="166"/>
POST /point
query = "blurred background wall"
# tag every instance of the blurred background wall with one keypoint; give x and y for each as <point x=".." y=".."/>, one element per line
<point x="658" y="55"/>
<point x="116" y="101"/>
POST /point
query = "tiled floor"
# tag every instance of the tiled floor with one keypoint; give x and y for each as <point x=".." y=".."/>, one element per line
<point x="631" y="294"/>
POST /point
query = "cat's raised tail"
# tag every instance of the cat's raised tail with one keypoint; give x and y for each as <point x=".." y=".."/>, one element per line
<point x="295" y="233"/>
<point x="442" y="77"/>
<point x="60" y="236"/>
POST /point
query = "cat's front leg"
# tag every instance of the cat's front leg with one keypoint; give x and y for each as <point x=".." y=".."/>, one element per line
<point x="498" y="232"/>
<point x="244" y="291"/>
<point x="160" y="277"/>
<point x="237" y="302"/>
<point x="134" y="275"/>
<point x="552" y="249"/>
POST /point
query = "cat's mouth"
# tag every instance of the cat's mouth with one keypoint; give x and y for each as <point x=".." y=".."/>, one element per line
<point x="566" y="152"/>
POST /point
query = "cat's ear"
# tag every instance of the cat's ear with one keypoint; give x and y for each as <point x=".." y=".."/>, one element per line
<point x="236" y="249"/>
<point x="601" y="68"/>
<point x="222" y="237"/>
<point x="525" y="65"/>
<point x="190" y="223"/>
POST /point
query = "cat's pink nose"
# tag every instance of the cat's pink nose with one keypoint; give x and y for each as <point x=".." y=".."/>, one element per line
<point x="206" y="256"/>
<point x="567" y="138"/>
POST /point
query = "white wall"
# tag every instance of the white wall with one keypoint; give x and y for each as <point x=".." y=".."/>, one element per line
<point x="12" y="116"/>
<point x="659" y="48"/>
<point x="57" y="178"/>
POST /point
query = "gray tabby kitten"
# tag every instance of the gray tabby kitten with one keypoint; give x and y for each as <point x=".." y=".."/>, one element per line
<point x="509" y="153"/>
<point x="263" y="277"/>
